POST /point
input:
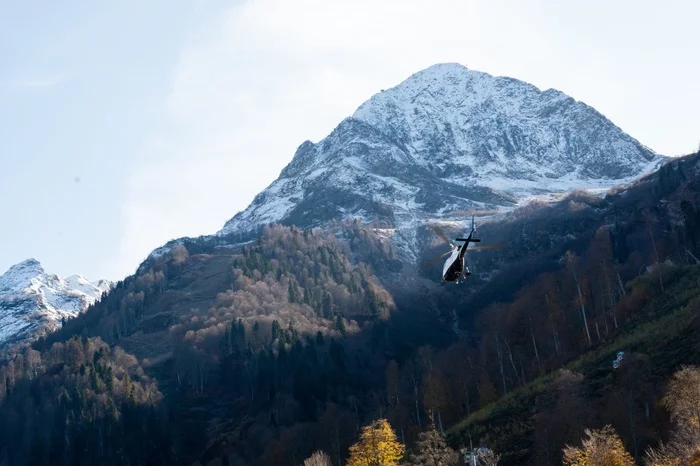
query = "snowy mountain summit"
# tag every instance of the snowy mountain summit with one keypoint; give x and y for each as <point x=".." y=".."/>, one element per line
<point x="33" y="302"/>
<point x="446" y="140"/>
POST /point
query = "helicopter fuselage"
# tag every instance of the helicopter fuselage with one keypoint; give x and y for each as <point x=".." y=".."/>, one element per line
<point x="454" y="265"/>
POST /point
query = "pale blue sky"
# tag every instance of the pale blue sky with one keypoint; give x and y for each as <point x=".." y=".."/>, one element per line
<point x="175" y="113"/>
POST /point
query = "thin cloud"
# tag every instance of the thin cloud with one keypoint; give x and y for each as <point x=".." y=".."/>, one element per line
<point x="44" y="82"/>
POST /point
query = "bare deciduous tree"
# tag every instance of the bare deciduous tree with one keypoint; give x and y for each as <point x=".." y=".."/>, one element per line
<point x="319" y="458"/>
<point x="571" y="261"/>
<point x="601" y="447"/>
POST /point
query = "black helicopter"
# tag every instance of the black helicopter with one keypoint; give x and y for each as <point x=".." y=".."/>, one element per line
<point x="455" y="268"/>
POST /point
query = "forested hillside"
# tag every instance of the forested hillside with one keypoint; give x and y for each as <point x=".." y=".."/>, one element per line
<point x="254" y="349"/>
<point x="265" y="353"/>
<point x="80" y="402"/>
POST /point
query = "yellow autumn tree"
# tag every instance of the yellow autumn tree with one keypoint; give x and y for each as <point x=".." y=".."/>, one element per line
<point x="603" y="447"/>
<point x="378" y="446"/>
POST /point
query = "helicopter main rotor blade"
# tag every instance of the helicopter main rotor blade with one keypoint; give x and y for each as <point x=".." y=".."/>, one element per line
<point x="434" y="260"/>
<point x="442" y="235"/>
<point x="486" y="246"/>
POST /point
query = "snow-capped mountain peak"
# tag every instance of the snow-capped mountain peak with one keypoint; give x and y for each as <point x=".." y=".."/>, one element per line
<point x="504" y="133"/>
<point x="446" y="140"/>
<point x="33" y="301"/>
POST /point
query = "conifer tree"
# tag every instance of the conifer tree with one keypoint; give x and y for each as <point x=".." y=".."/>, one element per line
<point x="128" y="389"/>
<point x="94" y="380"/>
<point x="340" y="325"/>
<point x="276" y="329"/>
<point x="109" y="379"/>
<point x="290" y="292"/>
<point x="327" y="305"/>
<point x="241" y="331"/>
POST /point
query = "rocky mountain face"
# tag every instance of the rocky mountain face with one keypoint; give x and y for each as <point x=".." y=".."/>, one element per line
<point x="446" y="140"/>
<point x="33" y="301"/>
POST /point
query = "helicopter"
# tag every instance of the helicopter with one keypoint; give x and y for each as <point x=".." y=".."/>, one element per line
<point x="455" y="268"/>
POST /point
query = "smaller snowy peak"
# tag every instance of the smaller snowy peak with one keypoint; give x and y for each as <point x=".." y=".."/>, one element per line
<point x="29" y="264"/>
<point x="33" y="301"/>
<point x="82" y="284"/>
<point x="20" y="275"/>
<point x="103" y="285"/>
